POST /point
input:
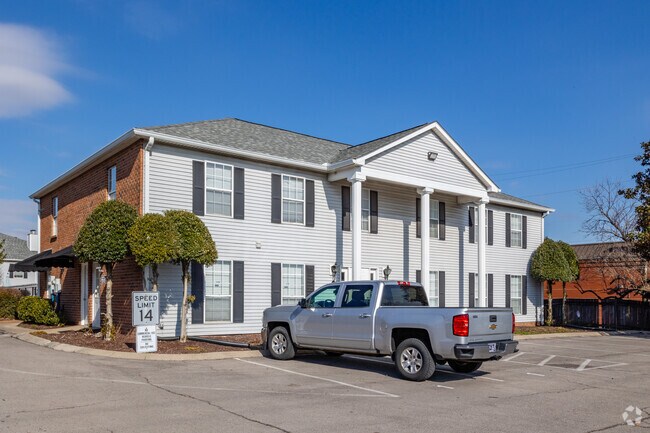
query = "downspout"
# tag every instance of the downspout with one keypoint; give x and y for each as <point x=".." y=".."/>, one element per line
<point x="38" y="233"/>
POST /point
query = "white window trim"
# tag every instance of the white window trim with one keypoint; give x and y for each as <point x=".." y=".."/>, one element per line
<point x="112" y="194"/>
<point x="433" y="203"/>
<point x="487" y="296"/>
<point x="55" y="216"/>
<point x="304" y="282"/>
<point x="232" y="296"/>
<point x="430" y="294"/>
<point x="363" y="190"/>
<point x="521" y="231"/>
<point x="521" y="290"/>
<point x="205" y="190"/>
<point x="304" y="200"/>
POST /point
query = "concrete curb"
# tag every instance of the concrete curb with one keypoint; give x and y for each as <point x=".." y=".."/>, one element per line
<point x="560" y="335"/>
<point x="138" y="356"/>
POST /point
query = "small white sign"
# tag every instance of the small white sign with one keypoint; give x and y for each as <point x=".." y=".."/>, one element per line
<point x="146" y="308"/>
<point x="146" y="339"/>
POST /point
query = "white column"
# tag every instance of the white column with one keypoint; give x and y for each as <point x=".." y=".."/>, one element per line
<point x="425" y="196"/>
<point x="482" y="280"/>
<point x="355" y="210"/>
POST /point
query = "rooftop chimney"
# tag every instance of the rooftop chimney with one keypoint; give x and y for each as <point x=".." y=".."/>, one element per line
<point x="32" y="240"/>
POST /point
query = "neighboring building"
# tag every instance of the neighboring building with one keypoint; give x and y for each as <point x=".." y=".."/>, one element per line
<point x="607" y="270"/>
<point x="290" y="212"/>
<point x="16" y="250"/>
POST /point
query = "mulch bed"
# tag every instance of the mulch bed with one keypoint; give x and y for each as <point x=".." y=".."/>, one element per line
<point x="535" y="330"/>
<point x="126" y="343"/>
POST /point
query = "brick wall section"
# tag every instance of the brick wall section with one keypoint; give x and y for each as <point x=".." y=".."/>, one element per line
<point x="77" y="199"/>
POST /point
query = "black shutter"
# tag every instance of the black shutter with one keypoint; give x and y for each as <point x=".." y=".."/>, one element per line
<point x="198" y="291"/>
<point x="490" y="288"/>
<point x="276" y="284"/>
<point x="507" y="291"/>
<point x="239" y="190"/>
<point x="418" y="276"/>
<point x="198" y="188"/>
<point x="374" y="212"/>
<point x="508" y="230"/>
<point x="11" y="274"/>
<point x="310" y="203"/>
<point x="238" y="292"/>
<point x="472" y="289"/>
<point x="472" y="225"/>
<point x="441" y="288"/>
<point x="490" y="228"/>
<point x="524" y="231"/>
<point x="418" y="219"/>
<point x="524" y="294"/>
<point x="276" y="199"/>
<point x="442" y="232"/>
<point x="345" y="207"/>
<point x="309" y="280"/>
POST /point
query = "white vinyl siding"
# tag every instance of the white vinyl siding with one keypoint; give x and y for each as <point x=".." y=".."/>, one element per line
<point x="112" y="183"/>
<point x="516" y="230"/>
<point x="434" y="221"/>
<point x="218" y="189"/>
<point x="434" y="289"/>
<point x="516" y="293"/>
<point x="293" y="283"/>
<point x="218" y="292"/>
<point x="293" y="199"/>
<point x="365" y="210"/>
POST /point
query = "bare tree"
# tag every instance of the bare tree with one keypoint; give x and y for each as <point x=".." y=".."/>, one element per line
<point x="612" y="217"/>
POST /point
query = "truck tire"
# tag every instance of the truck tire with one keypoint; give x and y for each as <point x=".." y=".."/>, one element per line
<point x="414" y="361"/>
<point x="465" y="366"/>
<point x="280" y="345"/>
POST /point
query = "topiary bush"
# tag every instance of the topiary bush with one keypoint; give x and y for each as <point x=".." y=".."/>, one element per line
<point x="37" y="310"/>
<point x="9" y="303"/>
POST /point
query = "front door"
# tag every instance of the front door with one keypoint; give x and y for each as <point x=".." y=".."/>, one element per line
<point x="313" y="324"/>
<point x="353" y="323"/>
<point x="84" y="294"/>
<point x="97" y="317"/>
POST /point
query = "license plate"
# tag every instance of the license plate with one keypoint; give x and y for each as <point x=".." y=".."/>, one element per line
<point x="492" y="347"/>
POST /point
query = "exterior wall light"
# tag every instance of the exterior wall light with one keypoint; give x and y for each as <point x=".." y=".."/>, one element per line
<point x="387" y="271"/>
<point x="334" y="270"/>
<point x="431" y="156"/>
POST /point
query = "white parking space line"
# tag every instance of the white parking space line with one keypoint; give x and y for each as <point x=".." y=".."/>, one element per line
<point x="589" y="349"/>
<point x="546" y="360"/>
<point x="536" y="374"/>
<point x="513" y="356"/>
<point x="620" y="364"/>
<point x="338" y="382"/>
<point x="583" y="365"/>
<point x="445" y="387"/>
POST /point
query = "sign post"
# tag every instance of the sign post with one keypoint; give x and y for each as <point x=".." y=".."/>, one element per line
<point x="146" y="317"/>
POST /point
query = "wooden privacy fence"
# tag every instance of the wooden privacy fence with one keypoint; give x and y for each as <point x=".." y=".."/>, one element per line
<point x="607" y="313"/>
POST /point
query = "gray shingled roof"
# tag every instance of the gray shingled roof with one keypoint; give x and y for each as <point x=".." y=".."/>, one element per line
<point x="15" y="248"/>
<point x="371" y="146"/>
<point x="604" y="250"/>
<point x="512" y="198"/>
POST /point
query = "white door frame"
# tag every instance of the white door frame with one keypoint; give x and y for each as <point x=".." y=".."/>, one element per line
<point x="96" y="316"/>
<point x="84" y="293"/>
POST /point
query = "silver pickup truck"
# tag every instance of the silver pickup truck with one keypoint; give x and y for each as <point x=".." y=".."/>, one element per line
<point x="382" y="318"/>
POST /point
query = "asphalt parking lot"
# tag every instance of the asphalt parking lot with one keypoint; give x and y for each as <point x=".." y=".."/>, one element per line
<point x="577" y="384"/>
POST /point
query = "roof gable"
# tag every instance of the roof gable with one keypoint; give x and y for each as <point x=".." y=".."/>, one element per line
<point x="15" y="248"/>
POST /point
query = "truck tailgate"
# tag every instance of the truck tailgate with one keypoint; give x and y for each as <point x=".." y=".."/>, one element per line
<point x="490" y="324"/>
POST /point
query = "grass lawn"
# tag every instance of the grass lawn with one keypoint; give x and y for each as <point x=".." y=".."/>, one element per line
<point x="534" y="330"/>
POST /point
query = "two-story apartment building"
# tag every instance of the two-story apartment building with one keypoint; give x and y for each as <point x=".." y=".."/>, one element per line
<point x="290" y="212"/>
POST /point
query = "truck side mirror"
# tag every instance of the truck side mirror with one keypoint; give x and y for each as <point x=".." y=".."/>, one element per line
<point x="302" y="303"/>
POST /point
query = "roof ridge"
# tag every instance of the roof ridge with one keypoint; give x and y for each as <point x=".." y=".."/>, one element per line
<point x="288" y="130"/>
<point x="187" y="123"/>
<point x="5" y="236"/>
<point x="394" y="133"/>
<point x="597" y="243"/>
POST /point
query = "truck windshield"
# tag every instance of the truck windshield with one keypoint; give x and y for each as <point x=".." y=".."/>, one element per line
<point x="396" y="295"/>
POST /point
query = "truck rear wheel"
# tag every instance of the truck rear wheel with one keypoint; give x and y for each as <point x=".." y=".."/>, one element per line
<point x="280" y="345"/>
<point x="414" y="361"/>
<point x="465" y="366"/>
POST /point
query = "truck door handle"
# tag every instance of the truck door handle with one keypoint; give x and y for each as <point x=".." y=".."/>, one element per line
<point x="364" y="316"/>
<point x="327" y="314"/>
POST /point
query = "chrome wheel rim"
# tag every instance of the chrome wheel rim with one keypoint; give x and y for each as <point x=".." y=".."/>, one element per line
<point x="279" y="344"/>
<point x="411" y="360"/>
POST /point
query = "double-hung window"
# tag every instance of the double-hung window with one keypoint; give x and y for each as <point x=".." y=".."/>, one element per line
<point x="434" y="219"/>
<point x="218" y="292"/>
<point x="55" y="215"/>
<point x="516" y="227"/>
<point x="485" y="297"/>
<point x="112" y="183"/>
<point x="434" y="289"/>
<point x="293" y="283"/>
<point x="365" y="210"/>
<point x="487" y="235"/>
<point x="218" y="189"/>
<point x="516" y="293"/>
<point x="293" y="199"/>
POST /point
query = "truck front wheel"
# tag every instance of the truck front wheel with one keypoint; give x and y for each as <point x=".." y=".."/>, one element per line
<point x="280" y="345"/>
<point x="465" y="366"/>
<point x="414" y="361"/>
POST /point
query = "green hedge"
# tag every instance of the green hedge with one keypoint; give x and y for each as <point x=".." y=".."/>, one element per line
<point x="37" y="310"/>
<point x="9" y="303"/>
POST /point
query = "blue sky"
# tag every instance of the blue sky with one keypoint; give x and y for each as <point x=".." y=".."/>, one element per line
<point x="547" y="97"/>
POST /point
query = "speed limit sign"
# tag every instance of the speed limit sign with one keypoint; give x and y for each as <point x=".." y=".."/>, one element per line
<point x="146" y="308"/>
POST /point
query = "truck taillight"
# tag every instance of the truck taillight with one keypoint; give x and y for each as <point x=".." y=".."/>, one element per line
<point x="513" y="323"/>
<point x="461" y="325"/>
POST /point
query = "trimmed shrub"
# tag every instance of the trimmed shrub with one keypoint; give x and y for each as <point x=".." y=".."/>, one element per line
<point x="9" y="303"/>
<point x="37" y="310"/>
